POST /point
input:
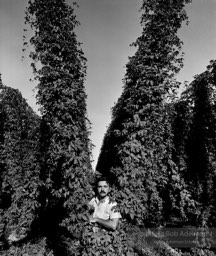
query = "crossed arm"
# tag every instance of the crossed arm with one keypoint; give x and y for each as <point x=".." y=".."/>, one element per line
<point x="110" y="223"/>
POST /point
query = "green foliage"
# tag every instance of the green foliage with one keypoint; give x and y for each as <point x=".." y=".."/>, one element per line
<point x="38" y="247"/>
<point x="104" y="242"/>
<point x="19" y="169"/>
<point x="196" y="144"/>
<point x="138" y="147"/>
<point x="65" y="147"/>
<point x="62" y="147"/>
<point x="199" y="252"/>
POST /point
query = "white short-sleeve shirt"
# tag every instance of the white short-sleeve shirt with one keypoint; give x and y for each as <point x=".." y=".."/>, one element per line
<point x="104" y="209"/>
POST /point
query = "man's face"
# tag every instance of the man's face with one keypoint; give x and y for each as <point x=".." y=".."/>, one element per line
<point x="103" y="189"/>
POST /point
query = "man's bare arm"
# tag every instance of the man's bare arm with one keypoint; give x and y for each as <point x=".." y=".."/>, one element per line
<point x="110" y="224"/>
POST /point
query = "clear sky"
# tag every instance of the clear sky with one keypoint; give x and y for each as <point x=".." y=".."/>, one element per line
<point x="107" y="29"/>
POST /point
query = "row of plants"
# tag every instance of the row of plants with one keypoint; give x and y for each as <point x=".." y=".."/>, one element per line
<point x="159" y="149"/>
<point x="47" y="178"/>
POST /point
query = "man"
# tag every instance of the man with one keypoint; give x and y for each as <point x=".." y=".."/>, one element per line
<point x="104" y="210"/>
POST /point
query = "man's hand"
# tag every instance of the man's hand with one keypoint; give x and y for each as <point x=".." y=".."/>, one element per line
<point x="92" y="220"/>
<point x="110" y="224"/>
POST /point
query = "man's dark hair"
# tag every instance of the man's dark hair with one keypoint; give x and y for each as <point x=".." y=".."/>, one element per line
<point x="103" y="179"/>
